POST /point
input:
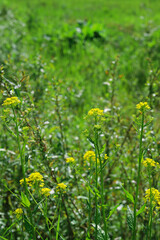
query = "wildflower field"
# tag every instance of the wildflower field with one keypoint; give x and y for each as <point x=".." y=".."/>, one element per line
<point x="80" y="120"/>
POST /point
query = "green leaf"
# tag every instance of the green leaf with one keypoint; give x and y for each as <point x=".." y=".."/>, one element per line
<point x="141" y="209"/>
<point x="128" y="195"/>
<point x="103" y="148"/>
<point x="113" y="210"/>
<point x="8" y="229"/>
<point x="10" y="131"/>
<point x="100" y="234"/>
<point x="3" y="238"/>
<point x="130" y="218"/>
<point x="28" y="226"/>
<point x="25" y="202"/>
<point x="98" y="219"/>
<point x="58" y="224"/>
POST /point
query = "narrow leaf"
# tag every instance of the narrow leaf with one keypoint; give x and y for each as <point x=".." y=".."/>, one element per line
<point x="25" y="202"/>
<point x="113" y="210"/>
<point x="141" y="209"/>
<point x="130" y="218"/>
<point x="128" y="195"/>
<point x="103" y="148"/>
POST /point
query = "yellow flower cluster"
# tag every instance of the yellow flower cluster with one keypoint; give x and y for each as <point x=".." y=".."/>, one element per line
<point x="61" y="187"/>
<point x="18" y="212"/>
<point x="154" y="194"/>
<point x="11" y="101"/>
<point x="89" y="156"/>
<point x="45" y="191"/>
<point x="150" y="162"/>
<point x="143" y="106"/>
<point x="106" y="157"/>
<point x="34" y="178"/>
<point x="70" y="160"/>
<point x="95" y="112"/>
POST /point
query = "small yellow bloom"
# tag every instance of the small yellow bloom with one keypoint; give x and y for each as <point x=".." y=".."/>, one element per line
<point x="106" y="157"/>
<point x="22" y="181"/>
<point x="61" y="186"/>
<point x="143" y="106"/>
<point x="95" y="112"/>
<point x="45" y="191"/>
<point x="33" y="179"/>
<point x="150" y="162"/>
<point x="70" y="160"/>
<point x="7" y="110"/>
<point x="154" y="194"/>
<point x="90" y="155"/>
<point x="11" y="101"/>
<point x="18" y="212"/>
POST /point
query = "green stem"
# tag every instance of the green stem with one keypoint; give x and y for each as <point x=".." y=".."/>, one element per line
<point x="89" y="215"/>
<point x="57" y="232"/>
<point x="31" y="220"/>
<point x="23" y="170"/>
<point x="20" y="151"/>
<point x="151" y="209"/>
<point x="102" y="188"/>
<point x="138" y="177"/>
<point x="96" y="201"/>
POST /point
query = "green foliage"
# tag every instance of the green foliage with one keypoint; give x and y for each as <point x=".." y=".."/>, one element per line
<point x="62" y="59"/>
<point x="130" y="218"/>
<point x="128" y="195"/>
<point x="25" y="202"/>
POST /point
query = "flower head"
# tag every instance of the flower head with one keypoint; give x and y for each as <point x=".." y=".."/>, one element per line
<point x="142" y="106"/>
<point x="18" y="212"/>
<point x="33" y="179"/>
<point x="70" y="160"/>
<point x="154" y="195"/>
<point x="45" y="191"/>
<point x="95" y="112"/>
<point x="106" y="157"/>
<point x="11" y="101"/>
<point x="90" y="155"/>
<point x="148" y="162"/>
<point x="61" y="187"/>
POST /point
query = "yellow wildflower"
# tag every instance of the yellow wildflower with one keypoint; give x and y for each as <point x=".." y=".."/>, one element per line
<point x="154" y="194"/>
<point x="61" y="186"/>
<point x="11" y="101"/>
<point x="22" y="181"/>
<point x="95" y="112"/>
<point x="45" y="191"/>
<point x="150" y="162"/>
<point x="18" y="212"/>
<point x="142" y="106"/>
<point x="90" y="155"/>
<point x="106" y="157"/>
<point x="70" y="160"/>
<point x="34" y="178"/>
<point x="7" y="111"/>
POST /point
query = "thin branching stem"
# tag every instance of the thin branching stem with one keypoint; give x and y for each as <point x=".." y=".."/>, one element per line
<point x="138" y="176"/>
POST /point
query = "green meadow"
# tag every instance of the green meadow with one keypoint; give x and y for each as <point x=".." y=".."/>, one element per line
<point x="79" y="120"/>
